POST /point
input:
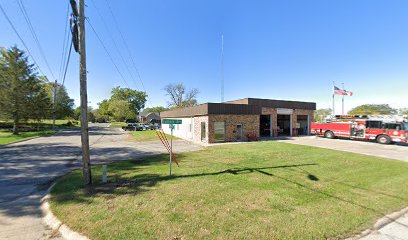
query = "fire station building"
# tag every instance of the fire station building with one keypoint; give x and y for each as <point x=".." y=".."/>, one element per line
<point x="241" y="120"/>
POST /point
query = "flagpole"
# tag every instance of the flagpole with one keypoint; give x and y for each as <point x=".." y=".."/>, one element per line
<point x="342" y="101"/>
<point x="333" y="99"/>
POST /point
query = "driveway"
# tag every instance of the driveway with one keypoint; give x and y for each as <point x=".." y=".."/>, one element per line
<point x="394" y="151"/>
<point x="27" y="169"/>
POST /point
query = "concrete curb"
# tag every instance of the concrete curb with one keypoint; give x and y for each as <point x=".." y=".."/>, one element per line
<point x="54" y="223"/>
<point x="382" y="222"/>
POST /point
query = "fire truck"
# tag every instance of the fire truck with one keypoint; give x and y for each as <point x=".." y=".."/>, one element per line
<point x="381" y="128"/>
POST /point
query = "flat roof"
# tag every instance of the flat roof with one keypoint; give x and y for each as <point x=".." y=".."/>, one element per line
<point x="245" y="106"/>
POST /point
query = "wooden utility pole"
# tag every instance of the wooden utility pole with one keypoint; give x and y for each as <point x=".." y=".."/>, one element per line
<point x="84" y="97"/>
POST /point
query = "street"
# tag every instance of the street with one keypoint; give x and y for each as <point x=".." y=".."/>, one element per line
<point x="28" y="168"/>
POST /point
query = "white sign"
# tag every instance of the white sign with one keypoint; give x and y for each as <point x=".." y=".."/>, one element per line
<point x="286" y="111"/>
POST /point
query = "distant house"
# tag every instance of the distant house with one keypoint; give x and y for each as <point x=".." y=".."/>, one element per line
<point x="147" y="117"/>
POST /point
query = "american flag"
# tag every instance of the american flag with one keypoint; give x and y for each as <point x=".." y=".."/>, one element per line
<point x="338" y="91"/>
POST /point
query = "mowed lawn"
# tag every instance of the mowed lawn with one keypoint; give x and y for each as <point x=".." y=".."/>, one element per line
<point x="8" y="137"/>
<point x="147" y="135"/>
<point x="264" y="190"/>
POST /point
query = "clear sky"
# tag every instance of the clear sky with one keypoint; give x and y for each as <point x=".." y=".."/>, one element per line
<point x="286" y="49"/>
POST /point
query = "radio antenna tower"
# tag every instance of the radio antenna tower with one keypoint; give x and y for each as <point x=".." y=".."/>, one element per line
<point x="222" y="68"/>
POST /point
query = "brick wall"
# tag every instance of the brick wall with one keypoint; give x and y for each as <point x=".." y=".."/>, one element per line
<point x="250" y="124"/>
<point x="197" y="128"/>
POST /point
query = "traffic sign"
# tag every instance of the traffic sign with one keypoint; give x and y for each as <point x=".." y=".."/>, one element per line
<point x="171" y="121"/>
<point x="171" y="126"/>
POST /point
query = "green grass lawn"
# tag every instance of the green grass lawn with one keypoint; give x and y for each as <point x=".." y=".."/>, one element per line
<point x="145" y="136"/>
<point x="264" y="190"/>
<point x="117" y="124"/>
<point x="8" y="137"/>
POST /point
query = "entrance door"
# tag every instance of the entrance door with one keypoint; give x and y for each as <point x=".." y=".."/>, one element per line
<point x="239" y="132"/>
<point x="203" y="132"/>
<point x="265" y="125"/>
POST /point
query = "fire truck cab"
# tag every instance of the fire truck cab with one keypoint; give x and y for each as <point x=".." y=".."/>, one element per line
<point x="383" y="129"/>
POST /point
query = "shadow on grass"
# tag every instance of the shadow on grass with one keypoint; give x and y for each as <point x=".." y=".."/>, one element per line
<point x="144" y="182"/>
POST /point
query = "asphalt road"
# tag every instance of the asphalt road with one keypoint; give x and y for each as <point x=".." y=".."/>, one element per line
<point x="27" y="169"/>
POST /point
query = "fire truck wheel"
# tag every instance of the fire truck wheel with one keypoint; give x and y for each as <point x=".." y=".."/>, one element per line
<point x="384" y="139"/>
<point x="329" y="134"/>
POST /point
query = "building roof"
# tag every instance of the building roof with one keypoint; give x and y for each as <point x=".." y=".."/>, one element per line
<point x="246" y="106"/>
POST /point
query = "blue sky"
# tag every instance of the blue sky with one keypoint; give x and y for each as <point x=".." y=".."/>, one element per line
<point x="286" y="49"/>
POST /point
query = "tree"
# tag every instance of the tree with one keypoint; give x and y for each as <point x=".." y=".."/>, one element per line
<point x="121" y="110"/>
<point x="157" y="109"/>
<point x="373" y="109"/>
<point x="77" y="113"/>
<point x="180" y="97"/>
<point x="404" y="111"/>
<point x="103" y="114"/>
<point x="136" y="99"/>
<point x="64" y="105"/>
<point x="20" y="88"/>
<point x="321" y="114"/>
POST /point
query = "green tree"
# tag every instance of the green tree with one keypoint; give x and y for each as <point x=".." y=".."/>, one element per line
<point x="136" y="99"/>
<point x="180" y="97"/>
<point x="20" y="88"/>
<point x="321" y="114"/>
<point x="121" y="110"/>
<point x="103" y="114"/>
<point x="157" y="109"/>
<point x="64" y="105"/>
<point x="373" y="109"/>
<point x="77" y="113"/>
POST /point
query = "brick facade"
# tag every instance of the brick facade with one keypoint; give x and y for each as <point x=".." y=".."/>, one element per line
<point x="250" y="125"/>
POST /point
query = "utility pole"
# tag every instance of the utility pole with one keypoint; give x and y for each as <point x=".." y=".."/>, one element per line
<point x="222" y="68"/>
<point x="54" y="105"/>
<point x="84" y="97"/>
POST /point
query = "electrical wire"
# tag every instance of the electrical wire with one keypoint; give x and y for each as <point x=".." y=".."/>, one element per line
<point x="33" y="33"/>
<point x="64" y="44"/>
<point x="66" y="66"/>
<point x="128" y="50"/>
<point x="115" y="44"/>
<point x="21" y="39"/>
<point x="107" y="52"/>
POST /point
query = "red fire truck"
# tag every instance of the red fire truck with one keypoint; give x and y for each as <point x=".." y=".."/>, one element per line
<point x="383" y="129"/>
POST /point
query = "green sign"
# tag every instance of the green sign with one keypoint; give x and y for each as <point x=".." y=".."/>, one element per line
<point x="171" y="126"/>
<point x="171" y="121"/>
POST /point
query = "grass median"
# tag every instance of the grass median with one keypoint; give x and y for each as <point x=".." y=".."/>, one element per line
<point x="146" y="136"/>
<point x="8" y="137"/>
<point x="265" y="190"/>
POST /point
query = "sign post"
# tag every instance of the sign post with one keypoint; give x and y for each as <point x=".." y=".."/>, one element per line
<point x="171" y="123"/>
<point x="171" y="126"/>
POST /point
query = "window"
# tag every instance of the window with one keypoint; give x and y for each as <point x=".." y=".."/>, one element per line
<point x="373" y="124"/>
<point x="219" y="131"/>
<point x="395" y="126"/>
<point x="203" y="132"/>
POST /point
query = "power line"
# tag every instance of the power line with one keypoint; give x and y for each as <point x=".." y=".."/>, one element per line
<point x="66" y="66"/>
<point x="22" y="41"/>
<point x="107" y="52"/>
<point x="64" y="44"/>
<point x="115" y="44"/>
<point x="33" y="33"/>
<point x="127" y="49"/>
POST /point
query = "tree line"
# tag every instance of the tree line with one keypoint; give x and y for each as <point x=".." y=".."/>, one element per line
<point x="365" y="109"/>
<point x="126" y="103"/>
<point x="25" y="95"/>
